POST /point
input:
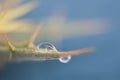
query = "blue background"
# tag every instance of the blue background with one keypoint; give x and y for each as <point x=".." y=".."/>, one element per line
<point x="102" y="64"/>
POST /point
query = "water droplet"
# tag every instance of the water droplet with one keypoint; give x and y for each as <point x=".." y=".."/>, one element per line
<point x="65" y="59"/>
<point x="46" y="45"/>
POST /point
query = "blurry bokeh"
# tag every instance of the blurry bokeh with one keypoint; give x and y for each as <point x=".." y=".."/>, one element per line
<point x="69" y="25"/>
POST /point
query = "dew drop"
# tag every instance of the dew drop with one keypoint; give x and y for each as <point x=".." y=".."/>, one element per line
<point x="46" y="45"/>
<point x="65" y="59"/>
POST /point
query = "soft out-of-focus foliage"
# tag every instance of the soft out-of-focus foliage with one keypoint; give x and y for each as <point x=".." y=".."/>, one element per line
<point x="55" y="27"/>
<point x="10" y="10"/>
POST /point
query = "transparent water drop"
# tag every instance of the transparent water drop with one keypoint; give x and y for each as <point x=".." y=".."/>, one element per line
<point x="65" y="59"/>
<point x="46" y="45"/>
